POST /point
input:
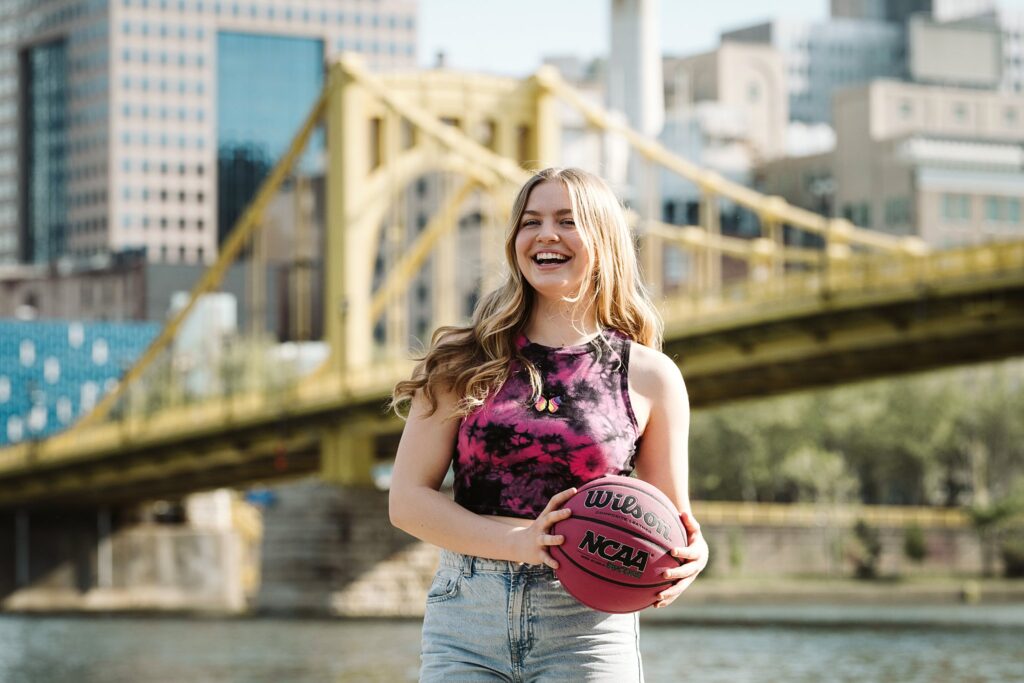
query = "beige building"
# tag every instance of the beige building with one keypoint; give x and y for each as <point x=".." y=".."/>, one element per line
<point x="747" y="78"/>
<point x="942" y="163"/>
<point x="946" y="164"/>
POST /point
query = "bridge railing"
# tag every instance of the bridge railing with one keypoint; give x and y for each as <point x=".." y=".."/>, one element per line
<point x="385" y="135"/>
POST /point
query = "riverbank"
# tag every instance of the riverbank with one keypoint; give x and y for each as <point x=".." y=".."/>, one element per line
<point x="810" y="590"/>
<point x="719" y="600"/>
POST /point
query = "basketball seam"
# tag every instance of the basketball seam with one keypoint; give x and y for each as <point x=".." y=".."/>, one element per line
<point x="608" y="580"/>
<point x="667" y="509"/>
<point x="624" y="530"/>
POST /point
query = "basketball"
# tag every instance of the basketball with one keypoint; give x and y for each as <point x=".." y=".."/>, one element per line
<point x="617" y="544"/>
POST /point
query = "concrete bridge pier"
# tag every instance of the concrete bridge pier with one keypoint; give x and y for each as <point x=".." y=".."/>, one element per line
<point x="106" y="558"/>
<point x="51" y="553"/>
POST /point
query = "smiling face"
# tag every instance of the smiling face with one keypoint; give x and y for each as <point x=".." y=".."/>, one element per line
<point x="550" y="250"/>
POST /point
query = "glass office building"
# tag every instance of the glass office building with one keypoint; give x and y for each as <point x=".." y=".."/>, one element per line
<point x="168" y="108"/>
<point x="45" y="72"/>
<point x="267" y="86"/>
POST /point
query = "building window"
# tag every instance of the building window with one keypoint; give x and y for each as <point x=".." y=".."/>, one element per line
<point x="993" y="209"/>
<point x="290" y="77"/>
<point x="1002" y="209"/>
<point x="956" y="207"/>
<point x="897" y="211"/>
<point x="858" y="213"/>
<point x="46" y="148"/>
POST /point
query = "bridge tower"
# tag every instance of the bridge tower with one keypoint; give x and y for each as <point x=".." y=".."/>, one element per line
<point x="382" y="135"/>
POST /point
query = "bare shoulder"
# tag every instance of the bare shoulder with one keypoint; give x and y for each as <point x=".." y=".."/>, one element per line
<point x="653" y="374"/>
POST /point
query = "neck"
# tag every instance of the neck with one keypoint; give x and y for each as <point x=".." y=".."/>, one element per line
<point x="561" y="323"/>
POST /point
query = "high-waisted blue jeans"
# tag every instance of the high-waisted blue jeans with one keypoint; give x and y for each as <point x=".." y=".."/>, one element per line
<point x="491" y="620"/>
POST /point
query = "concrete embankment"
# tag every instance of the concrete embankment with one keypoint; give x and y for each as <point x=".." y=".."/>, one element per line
<point x="333" y="552"/>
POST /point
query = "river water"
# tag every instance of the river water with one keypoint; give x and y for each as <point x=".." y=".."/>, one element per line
<point x="862" y="643"/>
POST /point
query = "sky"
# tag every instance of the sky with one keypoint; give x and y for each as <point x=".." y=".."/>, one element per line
<point x="511" y="37"/>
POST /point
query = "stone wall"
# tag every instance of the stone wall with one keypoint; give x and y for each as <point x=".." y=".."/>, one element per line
<point x="780" y="551"/>
<point x="333" y="551"/>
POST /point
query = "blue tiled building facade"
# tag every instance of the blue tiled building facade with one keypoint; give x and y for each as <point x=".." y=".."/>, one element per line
<point x="54" y="372"/>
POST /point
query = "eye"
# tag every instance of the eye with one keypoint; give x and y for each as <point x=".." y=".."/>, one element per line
<point x="528" y="222"/>
<point x="568" y="222"/>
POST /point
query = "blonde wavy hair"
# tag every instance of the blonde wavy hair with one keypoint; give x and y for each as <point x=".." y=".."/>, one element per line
<point x="473" y="361"/>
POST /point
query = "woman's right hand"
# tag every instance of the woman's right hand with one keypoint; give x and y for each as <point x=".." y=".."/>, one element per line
<point x="533" y="541"/>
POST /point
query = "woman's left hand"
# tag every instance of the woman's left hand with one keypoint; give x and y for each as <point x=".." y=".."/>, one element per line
<point x="694" y="556"/>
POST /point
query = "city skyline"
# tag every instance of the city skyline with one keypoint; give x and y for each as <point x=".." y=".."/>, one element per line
<point x="509" y="42"/>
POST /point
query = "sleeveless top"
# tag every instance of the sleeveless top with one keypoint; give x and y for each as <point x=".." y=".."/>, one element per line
<point x="518" y="449"/>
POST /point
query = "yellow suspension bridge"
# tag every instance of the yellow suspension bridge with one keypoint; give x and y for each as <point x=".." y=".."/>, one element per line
<point x="866" y="304"/>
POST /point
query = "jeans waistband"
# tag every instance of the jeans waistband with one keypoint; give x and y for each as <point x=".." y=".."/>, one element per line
<point x="470" y="564"/>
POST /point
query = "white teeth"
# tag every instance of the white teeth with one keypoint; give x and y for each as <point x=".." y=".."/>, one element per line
<point x="550" y="255"/>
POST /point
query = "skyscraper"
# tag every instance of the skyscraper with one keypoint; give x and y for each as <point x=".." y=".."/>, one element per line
<point x="148" y="124"/>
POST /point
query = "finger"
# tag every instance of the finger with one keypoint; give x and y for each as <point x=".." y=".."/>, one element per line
<point x="545" y="521"/>
<point x="552" y="539"/>
<point x="665" y="602"/>
<point x="559" y="498"/>
<point x="667" y="596"/>
<point x="683" y="572"/>
<point x="689" y="554"/>
<point x="691" y="524"/>
<point x="545" y="558"/>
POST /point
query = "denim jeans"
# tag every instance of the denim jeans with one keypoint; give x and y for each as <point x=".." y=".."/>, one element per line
<point x="491" y="620"/>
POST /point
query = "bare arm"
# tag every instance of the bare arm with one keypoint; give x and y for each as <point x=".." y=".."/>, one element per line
<point x="663" y="459"/>
<point x="417" y="506"/>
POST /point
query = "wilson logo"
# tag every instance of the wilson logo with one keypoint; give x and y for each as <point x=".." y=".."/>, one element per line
<point x="630" y="560"/>
<point x="627" y="505"/>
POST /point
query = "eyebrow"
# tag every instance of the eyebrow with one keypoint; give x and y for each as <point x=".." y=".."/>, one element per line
<point x="557" y="213"/>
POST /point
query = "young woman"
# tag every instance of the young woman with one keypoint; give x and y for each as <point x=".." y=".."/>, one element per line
<point x="557" y="381"/>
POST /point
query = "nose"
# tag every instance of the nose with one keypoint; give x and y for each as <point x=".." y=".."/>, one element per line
<point x="547" y="233"/>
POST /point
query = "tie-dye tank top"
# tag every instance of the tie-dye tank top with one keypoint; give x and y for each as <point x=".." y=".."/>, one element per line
<point x="518" y="450"/>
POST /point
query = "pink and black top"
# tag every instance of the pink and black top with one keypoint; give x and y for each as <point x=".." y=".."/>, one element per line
<point x="518" y="449"/>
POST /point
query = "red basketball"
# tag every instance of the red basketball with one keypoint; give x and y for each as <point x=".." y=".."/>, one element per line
<point x="617" y="544"/>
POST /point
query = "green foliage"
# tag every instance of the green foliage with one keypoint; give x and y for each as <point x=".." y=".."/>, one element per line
<point x="999" y="526"/>
<point x="863" y="550"/>
<point x="811" y="475"/>
<point x="914" y="546"/>
<point x="954" y="437"/>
